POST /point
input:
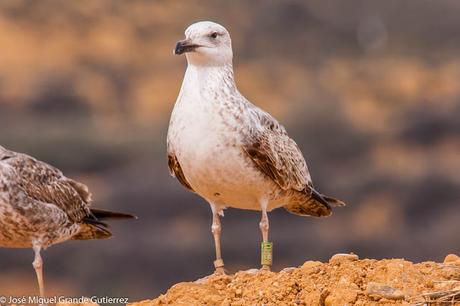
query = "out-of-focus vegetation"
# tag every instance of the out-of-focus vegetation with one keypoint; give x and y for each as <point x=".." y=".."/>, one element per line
<point x="370" y="90"/>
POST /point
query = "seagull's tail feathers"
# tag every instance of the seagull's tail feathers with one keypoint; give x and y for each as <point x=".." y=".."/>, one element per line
<point x="92" y="226"/>
<point x="106" y="214"/>
<point x="333" y="202"/>
<point x="315" y="204"/>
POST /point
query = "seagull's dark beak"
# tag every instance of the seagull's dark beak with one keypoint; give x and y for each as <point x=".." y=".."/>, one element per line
<point x="184" y="46"/>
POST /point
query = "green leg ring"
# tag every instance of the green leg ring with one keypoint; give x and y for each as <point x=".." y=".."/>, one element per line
<point x="266" y="252"/>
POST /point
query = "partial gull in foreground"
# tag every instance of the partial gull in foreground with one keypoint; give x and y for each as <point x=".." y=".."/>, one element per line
<point x="39" y="207"/>
<point x="229" y="151"/>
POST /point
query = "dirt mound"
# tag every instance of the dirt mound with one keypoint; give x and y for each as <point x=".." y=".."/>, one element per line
<point x="344" y="280"/>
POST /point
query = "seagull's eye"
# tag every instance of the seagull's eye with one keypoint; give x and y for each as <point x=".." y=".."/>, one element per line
<point x="213" y="35"/>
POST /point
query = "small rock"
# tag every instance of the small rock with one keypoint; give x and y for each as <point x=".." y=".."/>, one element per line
<point x="288" y="269"/>
<point x="452" y="259"/>
<point x="251" y="271"/>
<point x="341" y="257"/>
<point x="384" y="291"/>
<point x="311" y="264"/>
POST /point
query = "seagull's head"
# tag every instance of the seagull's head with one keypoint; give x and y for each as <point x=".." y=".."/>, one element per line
<point x="206" y="43"/>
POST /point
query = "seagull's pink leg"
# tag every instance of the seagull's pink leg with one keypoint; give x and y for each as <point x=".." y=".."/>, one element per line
<point x="216" y="231"/>
<point x="266" y="246"/>
<point x="38" y="266"/>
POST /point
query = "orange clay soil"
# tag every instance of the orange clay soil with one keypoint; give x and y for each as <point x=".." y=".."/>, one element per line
<point x="344" y="280"/>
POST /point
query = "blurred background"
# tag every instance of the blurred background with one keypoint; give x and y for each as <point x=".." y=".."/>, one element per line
<point x="370" y="90"/>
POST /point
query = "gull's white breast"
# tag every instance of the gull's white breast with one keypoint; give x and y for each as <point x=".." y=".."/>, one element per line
<point x="209" y="151"/>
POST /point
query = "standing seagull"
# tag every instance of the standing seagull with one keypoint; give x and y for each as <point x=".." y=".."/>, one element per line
<point x="39" y="207"/>
<point x="230" y="152"/>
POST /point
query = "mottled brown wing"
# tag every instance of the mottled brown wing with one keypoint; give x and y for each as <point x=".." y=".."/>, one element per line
<point x="277" y="155"/>
<point x="47" y="184"/>
<point x="176" y="171"/>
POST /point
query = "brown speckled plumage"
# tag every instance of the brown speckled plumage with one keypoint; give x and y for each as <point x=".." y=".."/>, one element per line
<point x="39" y="206"/>
<point x="228" y="150"/>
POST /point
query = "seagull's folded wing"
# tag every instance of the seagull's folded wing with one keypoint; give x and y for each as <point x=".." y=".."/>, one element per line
<point x="176" y="171"/>
<point x="277" y="155"/>
<point x="47" y="184"/>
